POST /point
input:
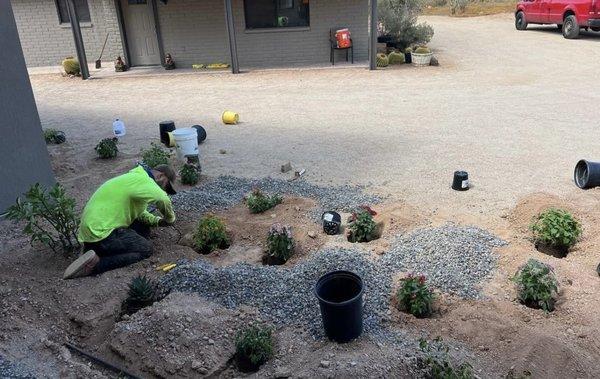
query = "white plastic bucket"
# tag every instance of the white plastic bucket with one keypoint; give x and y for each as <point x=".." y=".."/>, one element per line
<point x="186" y="142"/>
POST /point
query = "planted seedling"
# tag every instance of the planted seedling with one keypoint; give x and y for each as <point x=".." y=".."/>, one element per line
<point x="280" y="245"/>
<point x="415" y="297"/>
<point x="438" y="364"/>
<point x="259" y="202"/>
<point x="537" y="286"/>
<point x="253" y="348"/>
<point x="362" y="227"/>
<point x="142" y="293"/>
<point x="210" y="234"/>
<point x="49" y="217"/>
<point x="155" y="156"/>
<point x="53" y="136"/>
<point x="107" y="148"/>
<point x="555" y="232"/>
<point x="189" y="174"/>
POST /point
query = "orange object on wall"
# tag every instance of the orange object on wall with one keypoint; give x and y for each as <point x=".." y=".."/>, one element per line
<point x="343" y="38"/>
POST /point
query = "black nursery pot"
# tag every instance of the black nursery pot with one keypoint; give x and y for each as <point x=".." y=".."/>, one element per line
<point x="165" y="127"/>
<point x="407" y="57"/>
<point x="331" y="222"/>
<point x="340" y="295"/>
<point x="460" y="181"/>
<point x="587" y="174"/>
<point x="201" y="133"/>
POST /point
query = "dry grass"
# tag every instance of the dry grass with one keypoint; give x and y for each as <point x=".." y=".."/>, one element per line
<point x="473" y="9"/>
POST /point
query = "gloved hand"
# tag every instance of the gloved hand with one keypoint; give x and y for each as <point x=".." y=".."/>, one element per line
<point x="162" y="223"/>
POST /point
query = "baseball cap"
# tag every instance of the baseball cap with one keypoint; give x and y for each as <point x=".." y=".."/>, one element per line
<point x="170" y="174"/>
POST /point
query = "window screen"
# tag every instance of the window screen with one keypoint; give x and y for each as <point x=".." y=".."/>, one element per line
<point x="262" y="14"/>
<point x="83" y="11"/>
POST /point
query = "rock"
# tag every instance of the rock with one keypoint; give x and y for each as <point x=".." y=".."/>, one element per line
<point x="434" y="62"/>
<point x="352" y="363"/>
<point x="312" y="234"/>
<point x="286" y="167"/>
<point x="325" y="364"/>
<point x="196" y="364"/>
<point x="282" y="372"/>
<point x="222" y="151"/>
<point x="211" y="341"/>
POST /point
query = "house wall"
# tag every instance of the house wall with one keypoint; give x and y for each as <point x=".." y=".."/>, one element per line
<point x="46" y="42"/>
<point x="23" y="153"/>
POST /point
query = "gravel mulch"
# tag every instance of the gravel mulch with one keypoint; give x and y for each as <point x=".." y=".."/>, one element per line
<point x="11" y="370"/>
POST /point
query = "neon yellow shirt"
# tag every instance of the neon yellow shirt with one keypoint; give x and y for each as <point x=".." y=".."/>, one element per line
<point x="120" y="201"/>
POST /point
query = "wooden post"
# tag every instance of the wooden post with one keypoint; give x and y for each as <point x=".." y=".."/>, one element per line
<point x="85" y="73"/>
<point x="373" y="37"/>
<point x="235" y="67"/>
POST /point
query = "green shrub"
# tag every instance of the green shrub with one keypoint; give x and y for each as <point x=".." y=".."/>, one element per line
<point x="556" y="227"/>
<point x="142" y="293"/>
<point x="408" y="50"/>
<point x="210" y="234"/>
<point x="382" y="60"/>
<point x="107" y="148"/>
<point x="415" y="297"/>
<point x="71" y="66"/>
<point x="438" y="364"/>
<point x="280" y="244"/>
<point x="362" y="226"/>
<point x="398" y="19"/>
<point x="155" y="156"/>
<point x="49" y="217"/>
<point x="537" y="286"/>
<point x="396" y="58"/>
<point x="422" y="50"/>
<point x="189" y="174"/>
<point x="258" y="202"/>
<point x="458" y="6"/>
<point x="54" y="136"/>
<point x="253" y="347"/>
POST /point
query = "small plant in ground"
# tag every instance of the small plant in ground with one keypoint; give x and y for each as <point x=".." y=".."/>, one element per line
<point x="382" y="60"/>
<point x="280" y="244"/>
<point x="537" y="286"/>
<point x="142" y="293"/>
<point x="49" y="217"/>
<point x="107" y="148"/>
<point x="362" y="227"/>
<point x="189" y="174"/>
<point x="210" y="235"/>
<point x="258" y="202"/>
<point x="155" y="156"/>
<point x="422" y="50"/>
<point x="415" y="297"/>
<point x="458" y="6"/>
<point x="396" y="58"/>
<point x="438" y="364"/>
<point x="71" y="66"/>
<point x="53" y="136"/>
<point x="253" y="347"/>
<point x="556" y="228"/>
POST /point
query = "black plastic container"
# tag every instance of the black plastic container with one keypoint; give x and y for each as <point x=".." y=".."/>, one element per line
<point x="201" y="133"/>
<point x="407" y="57"/>
<point x="587" y="174"/>
<point x="331" y="222"/>
<point x="460" y="181"/>
<point x="340" y="299"/>
<point x="165" y="127"/>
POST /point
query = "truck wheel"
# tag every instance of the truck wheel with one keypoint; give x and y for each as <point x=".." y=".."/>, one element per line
<point x="570" y="27"/>
<point x="520" y="21"/>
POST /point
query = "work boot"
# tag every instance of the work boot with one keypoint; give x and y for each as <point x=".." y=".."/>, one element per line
<point x="83" y="266"/>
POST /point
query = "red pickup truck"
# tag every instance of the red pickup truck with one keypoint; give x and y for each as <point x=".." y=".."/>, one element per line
<point x="569" y="15"/>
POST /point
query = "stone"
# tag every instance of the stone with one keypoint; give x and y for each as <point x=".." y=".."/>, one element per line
<point x="211" y="341"/>
<point x="434" y="62"/>
<point x="286" y="167"/>
<point x="312" y="234"/>
<point x="222" y="151"/>
<point x="282" y="372"/>
<point x="325" y="364"/>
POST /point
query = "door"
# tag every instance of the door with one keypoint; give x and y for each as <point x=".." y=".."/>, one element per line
<point x="533" y="11"/>
<point x="140" y="29"/>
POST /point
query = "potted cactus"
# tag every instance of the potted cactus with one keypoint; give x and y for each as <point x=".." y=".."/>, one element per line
<point x="421" y="56"/>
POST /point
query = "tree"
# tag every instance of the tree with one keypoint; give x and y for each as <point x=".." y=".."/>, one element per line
<point x="398" y="19"/>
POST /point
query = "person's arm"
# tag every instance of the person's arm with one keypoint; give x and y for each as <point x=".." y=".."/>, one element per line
<point x="150" y="192"/>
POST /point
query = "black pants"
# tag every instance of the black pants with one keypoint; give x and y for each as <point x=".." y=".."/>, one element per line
<point x="122" y="247"/>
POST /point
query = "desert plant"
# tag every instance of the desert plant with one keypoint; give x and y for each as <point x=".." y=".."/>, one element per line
<point x="253" y="347"/>
<point x="415" y="297"/>
<point x="155" y="155"/>
<point x="258" y="202"/>
<point x="396" y="58"/>
<point x="537" y="286"/>
<point x="107" y="148"/>
<point x="438" y="364"/>
<point x="362" y="226"/>
<point x="399" y="20"/>
<point x="280" y="244"/>
<point x="556" y="227"/>
<point x="408" y="50"/>
<point x="382" y="60"/>
<point x="142" y="293"/>
<point x="189" y="174"/>
<point x="422" y="50"/>
<point x="458" y="6"/>
<point x="71" y="66"/>
<point x="54" y="136"/>
<point x="49" y="217"/>
<point x="210" y="234"/>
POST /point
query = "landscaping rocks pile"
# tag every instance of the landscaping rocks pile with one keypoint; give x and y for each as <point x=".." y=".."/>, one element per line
<point x="12" y="370"/>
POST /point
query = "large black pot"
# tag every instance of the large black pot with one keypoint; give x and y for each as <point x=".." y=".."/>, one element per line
<point x="165" y="127"/>
<point x="201" y="133"/>
<point x="340" y="299"/>
<point x="460" y="181"/>
<point x="587" y="174"/>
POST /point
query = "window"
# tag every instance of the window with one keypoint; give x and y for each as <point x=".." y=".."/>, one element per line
<point x="83" y="11"/>
<point x="261" y="14"/>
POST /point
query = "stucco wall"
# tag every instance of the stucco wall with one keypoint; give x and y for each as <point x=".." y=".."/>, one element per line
<point x="46" y="42"/>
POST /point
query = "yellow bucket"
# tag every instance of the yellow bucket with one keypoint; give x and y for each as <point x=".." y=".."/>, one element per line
<point x="230" y="117"/>
<point x="171" y="142"/>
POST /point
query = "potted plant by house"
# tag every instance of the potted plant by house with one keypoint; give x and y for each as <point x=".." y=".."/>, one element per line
<point x="421" y="56"/>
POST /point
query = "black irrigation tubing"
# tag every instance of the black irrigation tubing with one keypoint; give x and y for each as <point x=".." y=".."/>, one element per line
<point x="101" y="362"/>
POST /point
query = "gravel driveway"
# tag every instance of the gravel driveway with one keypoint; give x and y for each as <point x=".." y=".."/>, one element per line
<point x="514" y="109"/>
